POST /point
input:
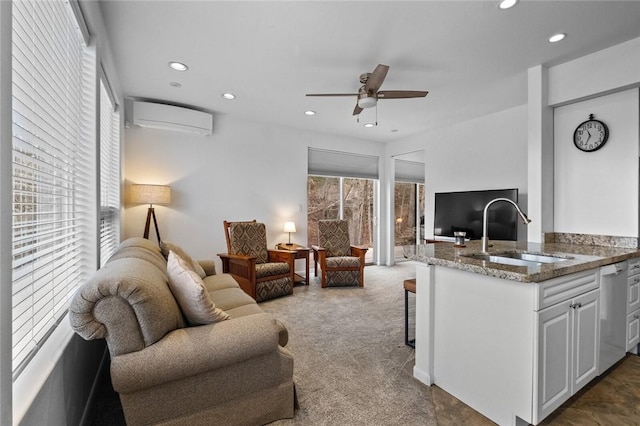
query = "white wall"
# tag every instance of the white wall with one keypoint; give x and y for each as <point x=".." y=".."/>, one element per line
<point x="597" y="192"/>
<point x="245" y="170"/>
<point x="486" y="153"/>
<point x="602" y="72"/>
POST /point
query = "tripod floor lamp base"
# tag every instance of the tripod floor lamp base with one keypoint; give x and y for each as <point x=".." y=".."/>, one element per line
<point x="150" y="194"/>
<point x="151" y="213"/>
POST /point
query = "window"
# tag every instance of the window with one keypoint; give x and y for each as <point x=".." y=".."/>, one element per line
<point x="53" y="169"/>
<point x="409" y="213"/>
<point x="342" y="198"/>
<point x="341" y="185"/>
<point x="109" y="175"/>
<point x="408" y="205"/>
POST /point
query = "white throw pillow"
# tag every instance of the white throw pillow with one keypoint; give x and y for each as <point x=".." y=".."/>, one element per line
<point x="166" y="247"/>
<point x="192" y="296"/>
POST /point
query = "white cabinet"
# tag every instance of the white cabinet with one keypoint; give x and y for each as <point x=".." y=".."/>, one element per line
<point x="514" y="351"/>
<point x="633" y="305"/>
<point x="567" y="349"/>
<point x="633" y="330"/>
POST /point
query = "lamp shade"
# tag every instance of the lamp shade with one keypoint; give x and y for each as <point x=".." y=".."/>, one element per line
<point x="150" y="194"/>
<point x="289" y="227"/>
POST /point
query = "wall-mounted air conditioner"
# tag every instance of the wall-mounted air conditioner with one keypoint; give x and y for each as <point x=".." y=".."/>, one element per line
<point x="170" y="117"/>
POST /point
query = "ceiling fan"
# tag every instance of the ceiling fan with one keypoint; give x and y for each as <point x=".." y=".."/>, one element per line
<point x="369" y="92"/>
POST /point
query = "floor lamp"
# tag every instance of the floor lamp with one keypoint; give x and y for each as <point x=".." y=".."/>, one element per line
<point x="151" y="194"/>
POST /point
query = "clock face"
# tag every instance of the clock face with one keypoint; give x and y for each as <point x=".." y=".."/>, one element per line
<point x="590" y="135"/>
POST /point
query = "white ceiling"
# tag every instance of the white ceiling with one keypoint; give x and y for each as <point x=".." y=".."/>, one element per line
<point x="470" y="56"/>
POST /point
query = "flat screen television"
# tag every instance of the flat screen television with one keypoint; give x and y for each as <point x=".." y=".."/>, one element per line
<point x="462" y="211"/>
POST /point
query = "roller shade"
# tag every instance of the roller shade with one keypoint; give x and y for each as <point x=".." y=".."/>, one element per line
<point x="342" y="164"/>
<point x="409" y="171"/>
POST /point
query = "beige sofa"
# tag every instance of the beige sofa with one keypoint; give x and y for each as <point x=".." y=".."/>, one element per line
<point x="233" y="372"/>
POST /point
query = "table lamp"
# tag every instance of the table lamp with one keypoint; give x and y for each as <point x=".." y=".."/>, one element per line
<point x="150" y="194"/>
<point x="289" y="227"/>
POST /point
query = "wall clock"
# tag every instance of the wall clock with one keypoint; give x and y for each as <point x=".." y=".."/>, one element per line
<point x="590" y="135"/>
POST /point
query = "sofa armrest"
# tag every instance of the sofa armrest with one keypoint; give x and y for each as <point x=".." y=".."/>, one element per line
<point x="194" y="350"/>
<point x="209" y="266"/>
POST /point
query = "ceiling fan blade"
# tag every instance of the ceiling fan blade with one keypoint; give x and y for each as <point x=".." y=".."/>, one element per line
<point x="357" y="110"/>
<point x="376" y="78"/>
<point x="331" y="94"/>
<point x="400" y="94"/>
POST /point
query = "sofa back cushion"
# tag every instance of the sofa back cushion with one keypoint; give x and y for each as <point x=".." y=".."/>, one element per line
<point x="127" y="302"/>
<point x="130" y="252"/>
<point x="166" y="247"/>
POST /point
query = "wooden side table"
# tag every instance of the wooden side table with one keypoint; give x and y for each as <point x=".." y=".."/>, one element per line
<point x="301" y="253"/>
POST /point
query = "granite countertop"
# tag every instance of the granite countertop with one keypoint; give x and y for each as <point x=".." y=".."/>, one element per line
<point x="579" y="257"/>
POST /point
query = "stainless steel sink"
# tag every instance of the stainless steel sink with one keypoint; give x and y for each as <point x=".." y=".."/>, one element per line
<point x="516" y="258"/>
<point x="532" y="257"/>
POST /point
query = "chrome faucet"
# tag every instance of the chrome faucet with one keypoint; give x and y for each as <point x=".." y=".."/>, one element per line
<point x="485" y="234"/>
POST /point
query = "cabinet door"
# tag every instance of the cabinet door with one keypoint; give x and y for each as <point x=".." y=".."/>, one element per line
<point x="554" y="357"/>
<point x="633" y="330"/>
<point x="586" y="327"/>
<point x="633" y="295"/>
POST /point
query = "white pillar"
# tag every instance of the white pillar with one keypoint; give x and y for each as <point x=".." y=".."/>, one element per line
<point x="540" y="155"/>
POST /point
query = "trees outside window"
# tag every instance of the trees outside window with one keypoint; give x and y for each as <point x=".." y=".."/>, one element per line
<point x="346" y="198"/>
<point x="409" y="215"/>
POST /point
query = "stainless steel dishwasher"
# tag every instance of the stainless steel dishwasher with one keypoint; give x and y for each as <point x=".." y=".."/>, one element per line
<point x="613" y="314"/>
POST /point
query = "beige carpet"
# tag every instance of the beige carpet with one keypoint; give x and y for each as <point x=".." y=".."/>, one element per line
<point x="351" y="365"/>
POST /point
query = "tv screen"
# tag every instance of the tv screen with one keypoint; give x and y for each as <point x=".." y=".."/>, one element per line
<point x="462" y="211"/>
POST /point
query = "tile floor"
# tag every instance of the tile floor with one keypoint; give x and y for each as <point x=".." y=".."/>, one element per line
<point x="613" y="399"/>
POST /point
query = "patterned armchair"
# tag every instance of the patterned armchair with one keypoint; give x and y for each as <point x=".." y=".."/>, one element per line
<point x="341" y="263"/>
<point x="263" y="274"/>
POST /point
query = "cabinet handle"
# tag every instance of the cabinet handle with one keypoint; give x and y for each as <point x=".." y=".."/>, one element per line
<point x="636" y="280"/>
<point x="636" y="266"/>
<point x="575" y="305"/>
<point x="636" y="316"/>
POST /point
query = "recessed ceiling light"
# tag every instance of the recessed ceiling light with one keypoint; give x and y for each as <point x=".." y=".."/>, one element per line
<point x="394" y="130"/>
<point x="178" y="66"/>
<point x="309" y="112"/>
<point x="228" y="96"/>
<point x="369" y="125"/>
<point x="175" y="84"/>
<point x="507" y="4"/>
<point x="557" y="37"/>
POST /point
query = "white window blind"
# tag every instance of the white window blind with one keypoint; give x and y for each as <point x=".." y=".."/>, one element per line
<point x="53" y="168"/>
<point x="323" y="162"/>
<point x="409" y="171"/>
<point x="109" y="176"/>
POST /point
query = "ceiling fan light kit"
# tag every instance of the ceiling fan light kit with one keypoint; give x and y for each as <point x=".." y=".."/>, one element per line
<point x="367" y="101"/>
<point x="370" y="92"/>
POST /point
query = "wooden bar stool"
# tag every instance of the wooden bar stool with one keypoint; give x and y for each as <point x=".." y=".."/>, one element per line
<point x="409" y="286"/>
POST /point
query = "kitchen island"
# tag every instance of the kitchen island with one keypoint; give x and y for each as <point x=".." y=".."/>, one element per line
<point x="512" y="340"/>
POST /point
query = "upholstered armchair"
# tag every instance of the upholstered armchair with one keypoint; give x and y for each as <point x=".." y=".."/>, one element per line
<point x="341" y="263"/>
<point x="262" y="273"/>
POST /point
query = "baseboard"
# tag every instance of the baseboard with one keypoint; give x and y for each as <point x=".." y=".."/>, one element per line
<point x="422" y="376"/>
<point x="88" y="408"/>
